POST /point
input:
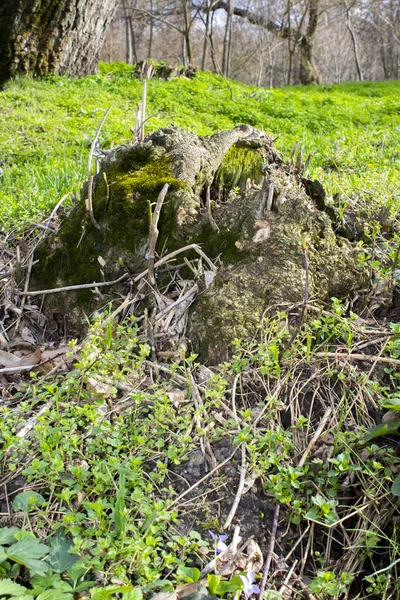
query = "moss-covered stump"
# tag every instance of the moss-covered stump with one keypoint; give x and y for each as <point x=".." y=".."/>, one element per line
<point x="261" y="214"/>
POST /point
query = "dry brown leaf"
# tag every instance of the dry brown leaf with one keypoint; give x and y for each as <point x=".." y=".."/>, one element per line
<point x="32" y="359"/>
<point x="177" y="397"/>
<point x="182" y="591"/>
<point x="165" y="596"/>
<point x="185" y="589"/>
<point x="9" y="360"/>
<point x="55" y="359"/>
<point x="99" y="387"/>
<point x="229" y="563"/>
<point x="255" y="558"/>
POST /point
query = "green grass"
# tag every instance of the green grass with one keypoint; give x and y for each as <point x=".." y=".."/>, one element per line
<point x="352" y="131"/>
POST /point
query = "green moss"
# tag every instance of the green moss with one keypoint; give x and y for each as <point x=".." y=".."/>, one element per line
<point x="239" y="165"/>
<point x="124" y="218"/>
<point x="149" y="179"/>
<point x="127" y="210"/>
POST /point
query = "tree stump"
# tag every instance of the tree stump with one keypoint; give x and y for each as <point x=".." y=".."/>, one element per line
<point x="232" y="194"/>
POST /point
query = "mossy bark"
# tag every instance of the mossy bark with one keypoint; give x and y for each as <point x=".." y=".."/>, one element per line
<point x="62" y="37"/>
<point x="258" y="241"/>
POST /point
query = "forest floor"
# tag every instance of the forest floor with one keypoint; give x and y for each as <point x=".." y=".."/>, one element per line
<point x="123" y="471"/>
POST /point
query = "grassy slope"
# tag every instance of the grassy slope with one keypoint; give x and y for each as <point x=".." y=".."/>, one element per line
<point x="351" y="130"/>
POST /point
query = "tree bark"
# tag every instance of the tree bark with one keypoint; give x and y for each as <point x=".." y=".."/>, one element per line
<point x="63" y="37"/>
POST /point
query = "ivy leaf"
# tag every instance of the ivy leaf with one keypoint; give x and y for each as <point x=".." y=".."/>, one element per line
<point x="60" y="559"/>
<point x="272" y="595"/>
<point x="382" y="429"/>
<point x="162" y="584"/>
<point x="313" y="514"/>
<point x="42" y="583"/>
<point x="85" y="585"/>
<point x="27" y="501"/>
<point x="7" y="535"/>
<point x="10" y="588"/>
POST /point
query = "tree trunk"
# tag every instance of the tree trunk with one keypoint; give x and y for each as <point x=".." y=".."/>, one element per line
<point x="308" y="74"/>
<point x="291" y="44"/>
<point x="128" y="46"/>
<point x="187" y="26"/>
<point x="149" y="53"/>
<point x="353" y="41"/>
<point x="206" y="37"/>
<point x="64" y="37"/>
<point x="226" y="58"/>
<point x="133" y="41"/>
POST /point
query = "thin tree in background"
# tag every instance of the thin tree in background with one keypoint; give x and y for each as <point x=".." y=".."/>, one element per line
<point x="227" y="48"/>
<point x="207" y="24"/>
<point x="187" y="46"/>
<point x="130" y="52"/>
<point x="150" y="51"/>
<point x="353" y="38"/>
<point x="291" y="43"/>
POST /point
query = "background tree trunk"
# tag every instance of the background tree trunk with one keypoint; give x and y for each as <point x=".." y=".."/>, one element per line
<point x="64" y="37"/>
<point x="353" y="40"/>
<point x="151" y="31"/>
<point x="187" y="25"/>
<point x="308" y="73"/>
<point x="226" y="58"/>
<point x="291" y="44"/>
<point x="206" y="36"/>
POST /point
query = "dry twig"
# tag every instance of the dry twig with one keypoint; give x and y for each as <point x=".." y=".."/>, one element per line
<point x="154" y="235"/>
<point x="270" y="552"/>
<point x="89" y="201"/>
<point x="315" y="437"/>
<point x="359" y="357"/>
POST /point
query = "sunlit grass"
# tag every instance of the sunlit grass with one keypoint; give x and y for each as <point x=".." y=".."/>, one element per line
<point x="351" y="130"/>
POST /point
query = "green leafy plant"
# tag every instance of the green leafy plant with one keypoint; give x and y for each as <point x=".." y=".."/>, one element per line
<point x="328" y="585"/>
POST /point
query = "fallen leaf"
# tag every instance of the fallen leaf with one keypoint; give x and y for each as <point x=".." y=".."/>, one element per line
<point x="255" y="557"/>
<point x="32" y="359"/>
<point x="99" y="387"/>
<point x="9" y="360"/>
